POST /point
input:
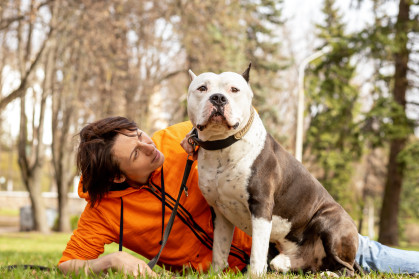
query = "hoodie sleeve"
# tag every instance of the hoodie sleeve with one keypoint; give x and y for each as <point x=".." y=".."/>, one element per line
<point x="88" y="240"/>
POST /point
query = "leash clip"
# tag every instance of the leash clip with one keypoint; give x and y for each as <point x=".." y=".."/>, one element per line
<point x="192" y="138"/>
<point x="185" y="189"/>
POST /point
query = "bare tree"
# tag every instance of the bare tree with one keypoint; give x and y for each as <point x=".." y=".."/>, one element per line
<point x="26" y="71"/>
<point x="30" y="144"/>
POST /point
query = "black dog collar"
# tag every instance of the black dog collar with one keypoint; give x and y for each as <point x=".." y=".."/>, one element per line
<point x="220" y="144"/>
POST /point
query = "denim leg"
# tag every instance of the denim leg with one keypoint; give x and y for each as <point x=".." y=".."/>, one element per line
<point x="373" y="256"/>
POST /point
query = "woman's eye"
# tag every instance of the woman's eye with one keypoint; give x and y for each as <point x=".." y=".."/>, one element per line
<point x="202" y="88"/>
<point x="234" y="89"/>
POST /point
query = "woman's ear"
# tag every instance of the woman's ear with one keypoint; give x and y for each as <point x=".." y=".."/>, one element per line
<point x="119" y="179"/>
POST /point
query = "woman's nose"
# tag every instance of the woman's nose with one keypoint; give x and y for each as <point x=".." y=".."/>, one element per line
<point x="147" y="148"/>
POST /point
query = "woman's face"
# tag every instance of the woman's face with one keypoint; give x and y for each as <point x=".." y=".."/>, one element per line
<point x="137" y="155"/>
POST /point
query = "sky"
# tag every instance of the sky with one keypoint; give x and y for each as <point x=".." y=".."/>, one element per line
<point x="302" y="15"/>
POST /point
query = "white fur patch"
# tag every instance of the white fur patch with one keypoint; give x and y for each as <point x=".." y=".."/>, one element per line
<point x="223" y="235"/>
<point x="224" y="175"/>
<point x="281" y="263"/>
<point x="280" y="228"/>
<point x="328" y="274"/>
<point x="260" y="244"/>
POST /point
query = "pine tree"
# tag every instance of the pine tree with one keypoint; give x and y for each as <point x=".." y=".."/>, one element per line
<point x="333" y="135"/>
<point x="388" y="41"/>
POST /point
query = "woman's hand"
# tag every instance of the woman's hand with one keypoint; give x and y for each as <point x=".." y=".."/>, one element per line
<point x="188" y="147"/>
<point x="128" y="264"/>
<point x="118" y="261"/>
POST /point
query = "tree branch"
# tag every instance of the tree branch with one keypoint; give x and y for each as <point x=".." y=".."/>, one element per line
<point x="5" y="23"/>
<point x="412" y="103"/>
<point x="20" y="90"/>
<point x="170" y="75"/>
<point x="8" y="21"/>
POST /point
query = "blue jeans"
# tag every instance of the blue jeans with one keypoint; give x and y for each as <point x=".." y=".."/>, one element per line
<point x="373" y="256"/>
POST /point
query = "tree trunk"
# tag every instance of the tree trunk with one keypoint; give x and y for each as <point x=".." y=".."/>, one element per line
<point x="64" y="224"/>
<point x="31" y="170"/>
<point x="389" y="228"/>
<point x="30" y="149"/>
<point x="38" y="207"/>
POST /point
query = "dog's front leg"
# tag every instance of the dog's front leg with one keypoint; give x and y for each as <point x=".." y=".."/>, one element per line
<point x="223" y="236"/>
<point x="261" y="231"/>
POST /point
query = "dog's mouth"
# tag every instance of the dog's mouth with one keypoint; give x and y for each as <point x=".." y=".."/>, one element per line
<point x="217" y="117"/>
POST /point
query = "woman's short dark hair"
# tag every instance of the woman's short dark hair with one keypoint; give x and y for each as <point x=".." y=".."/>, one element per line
<point x="95" y="160"/>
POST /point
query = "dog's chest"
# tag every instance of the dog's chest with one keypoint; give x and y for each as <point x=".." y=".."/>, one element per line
<point x="224" y="176"/>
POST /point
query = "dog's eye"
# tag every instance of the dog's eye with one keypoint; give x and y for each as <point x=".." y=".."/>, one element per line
<point x="202" y="88"/>
<point x="234" y="89"/>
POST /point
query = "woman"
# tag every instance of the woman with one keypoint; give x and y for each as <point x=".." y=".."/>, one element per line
<point x="122" y="165"/>
<point x="123" y="168"/>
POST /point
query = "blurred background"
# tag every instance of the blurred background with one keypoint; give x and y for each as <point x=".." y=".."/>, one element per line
<point x="64" y="64"/>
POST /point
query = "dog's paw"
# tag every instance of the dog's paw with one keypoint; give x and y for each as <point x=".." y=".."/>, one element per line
<point x="328" y="274"/>
<point x="257" y="270"/>
<point x="218" y="267"/>
<point x="281" y="263"/>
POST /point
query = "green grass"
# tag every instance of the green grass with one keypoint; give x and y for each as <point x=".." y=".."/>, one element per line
<point x="45" y="250"/>
<point x="9" y="212"/>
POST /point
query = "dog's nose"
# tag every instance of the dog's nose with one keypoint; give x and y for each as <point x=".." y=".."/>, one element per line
<point x="218" y="99"/>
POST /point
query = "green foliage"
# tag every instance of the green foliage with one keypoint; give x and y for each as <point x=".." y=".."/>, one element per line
<point x="73" y="223"/>
<point x="9" y="169"/>
<point x="386" y="121"/>
<point x="227" y="36"/>
<point x="333" y="136"/>
<point x="410" y="190"/>
<point x="74" y="220"/>
<point x="262" y="49"/>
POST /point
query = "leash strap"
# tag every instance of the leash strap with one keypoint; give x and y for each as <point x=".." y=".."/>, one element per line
<point x="121" y="226"/>
<point x="26" y="266"/>
<point x="163" y="205"/>
<point x="183" y="187"/>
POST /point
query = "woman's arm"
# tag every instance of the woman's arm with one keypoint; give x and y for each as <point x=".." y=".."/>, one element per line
<point x="118" y="261"/>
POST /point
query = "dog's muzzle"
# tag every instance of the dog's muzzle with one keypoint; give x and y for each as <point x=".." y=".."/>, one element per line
<point x="218" y="100"/>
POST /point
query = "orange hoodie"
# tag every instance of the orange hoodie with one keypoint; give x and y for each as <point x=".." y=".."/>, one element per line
<point x="190" y="241"/>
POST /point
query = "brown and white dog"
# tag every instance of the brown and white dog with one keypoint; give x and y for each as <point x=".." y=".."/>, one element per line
<point x="253" y="183"/>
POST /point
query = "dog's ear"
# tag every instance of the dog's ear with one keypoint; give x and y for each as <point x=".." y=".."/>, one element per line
<point x="191" y="75"/>
<point x="246" y="73"/>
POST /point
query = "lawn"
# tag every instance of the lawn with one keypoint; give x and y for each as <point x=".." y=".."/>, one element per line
<point x="45" y="250"/>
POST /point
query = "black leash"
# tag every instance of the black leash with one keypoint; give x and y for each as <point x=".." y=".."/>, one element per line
<point x="163" y="205"/>
<point x="26" y="266"/>
<point x="121" y="226"/>
<point x="183" y="187"/>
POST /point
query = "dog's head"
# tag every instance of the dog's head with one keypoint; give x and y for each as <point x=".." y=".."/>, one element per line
<point x="219" y="105"/>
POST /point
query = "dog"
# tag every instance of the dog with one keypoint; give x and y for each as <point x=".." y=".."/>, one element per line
<point x="252" y="183"/>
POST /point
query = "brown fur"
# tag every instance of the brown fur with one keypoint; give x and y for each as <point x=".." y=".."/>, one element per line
<point x="280" y="185"/>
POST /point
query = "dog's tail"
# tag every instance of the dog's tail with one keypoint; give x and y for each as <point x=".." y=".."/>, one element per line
<point x="346" y="266"/>
<point x="358" y="269"/>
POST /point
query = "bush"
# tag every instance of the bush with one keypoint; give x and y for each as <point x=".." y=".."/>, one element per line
<point x="74" y="220"/>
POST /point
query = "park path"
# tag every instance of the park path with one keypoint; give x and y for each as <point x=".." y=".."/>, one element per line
<point x="9" y="224"/>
